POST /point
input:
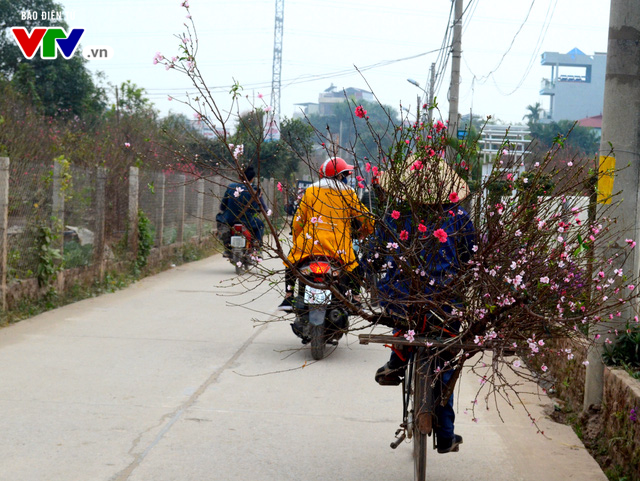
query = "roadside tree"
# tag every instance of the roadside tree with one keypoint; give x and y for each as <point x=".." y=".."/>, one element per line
<point x="40" y="79"/>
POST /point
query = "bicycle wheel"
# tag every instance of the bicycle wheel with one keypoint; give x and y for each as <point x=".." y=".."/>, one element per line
<point x="421" y="424"/>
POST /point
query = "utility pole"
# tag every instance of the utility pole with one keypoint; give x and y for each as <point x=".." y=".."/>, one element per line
<point x="432" y="87"/>
<point x="456" y="55"/>
<point x="426" y="114"/>
<point x="620" y="127"/>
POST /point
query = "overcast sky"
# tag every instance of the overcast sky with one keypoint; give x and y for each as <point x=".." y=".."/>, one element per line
<point x="324" y="39"/>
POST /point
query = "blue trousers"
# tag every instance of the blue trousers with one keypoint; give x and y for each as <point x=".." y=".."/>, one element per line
<point x="446" y="416"/>
<point x="257" y="229"/>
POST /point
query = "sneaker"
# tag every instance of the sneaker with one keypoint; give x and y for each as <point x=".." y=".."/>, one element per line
<point x="449" y="445"/>
<point x="287" y="304"/>
<point x="389" y="376"/>
<point x="297" y="330"/>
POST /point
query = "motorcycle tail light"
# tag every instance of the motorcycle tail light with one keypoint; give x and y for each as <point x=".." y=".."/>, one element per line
<point x="320" y="267"/>
<point x="237" y="227"/>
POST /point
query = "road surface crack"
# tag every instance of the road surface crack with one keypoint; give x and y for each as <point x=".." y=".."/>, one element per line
<point x="174" y="416"/>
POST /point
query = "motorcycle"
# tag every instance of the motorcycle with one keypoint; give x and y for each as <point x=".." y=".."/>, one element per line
<point x="320" y="319"/>
<point x="245" y="249"/>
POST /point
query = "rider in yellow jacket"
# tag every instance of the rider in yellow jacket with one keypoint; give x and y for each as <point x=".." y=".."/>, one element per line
<point x="323" y="223"/>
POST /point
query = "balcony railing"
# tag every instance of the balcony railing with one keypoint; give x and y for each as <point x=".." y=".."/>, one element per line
<point x="547" y="84"/>
<point x="572" y="78"/>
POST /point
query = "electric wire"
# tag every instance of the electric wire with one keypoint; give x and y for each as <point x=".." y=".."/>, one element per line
<point x="536" y="50"/>
<point x="484" y="78"/>
<point x="469" y="17"/>
<point x="299" y="79"/>
<point x="443" y="55"/>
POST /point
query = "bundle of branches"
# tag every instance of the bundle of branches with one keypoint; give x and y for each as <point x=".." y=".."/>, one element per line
<point x="530" y="254"/>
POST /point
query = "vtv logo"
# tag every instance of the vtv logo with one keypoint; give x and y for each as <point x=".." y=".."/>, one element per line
<point x="51" y="39"/>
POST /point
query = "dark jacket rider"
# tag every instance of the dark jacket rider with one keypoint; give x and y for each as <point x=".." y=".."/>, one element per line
<point x="238" y="205"/>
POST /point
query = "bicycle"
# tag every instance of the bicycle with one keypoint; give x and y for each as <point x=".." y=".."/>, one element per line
<point x="419" y="391"/>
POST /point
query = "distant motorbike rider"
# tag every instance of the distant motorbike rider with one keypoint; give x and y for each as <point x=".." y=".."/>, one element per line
<point x="239" y="206"/>
<point x="322" y="224"/>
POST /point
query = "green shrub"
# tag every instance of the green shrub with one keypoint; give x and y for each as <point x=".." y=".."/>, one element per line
<point x="625" y="351"/>
<point x="49" y="257"/>
<point x="145" y="240"/>
<point x="76" y="255"/>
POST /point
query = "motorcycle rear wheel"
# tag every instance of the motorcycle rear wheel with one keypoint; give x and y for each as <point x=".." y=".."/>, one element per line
<point x="238" y="262"/>
<point x="318" y="341"/>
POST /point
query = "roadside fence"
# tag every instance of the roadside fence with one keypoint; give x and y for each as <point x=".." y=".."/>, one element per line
<point x="90" y="217"/>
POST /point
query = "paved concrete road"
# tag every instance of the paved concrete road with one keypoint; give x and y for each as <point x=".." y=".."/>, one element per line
<point x="167" y="381"/>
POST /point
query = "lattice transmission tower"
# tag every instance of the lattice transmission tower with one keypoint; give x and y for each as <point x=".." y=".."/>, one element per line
<point x="277" y="58"/>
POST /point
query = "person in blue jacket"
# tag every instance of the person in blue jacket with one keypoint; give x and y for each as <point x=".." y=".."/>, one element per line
<point x="425" y="237"/>
<point x="238" y="205"/>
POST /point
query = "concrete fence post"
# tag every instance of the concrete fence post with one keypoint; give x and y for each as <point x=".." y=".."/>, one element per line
<point x="159" y="207"/>
<point x="133" y="210"/>
<point x="180" y="178"/>
<point x="99" y="237"/>
<point x="4" y="224"/>
<point x="57" y="214"/>
<point x="200" y="208"/>
<point x="212" y="191"/>
<point x="265" y="191"/>
<point x="217" y="190"/>
<point x="273" y="194"/>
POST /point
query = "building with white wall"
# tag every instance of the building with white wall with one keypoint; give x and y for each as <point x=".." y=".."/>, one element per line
<point x="575" y="86"/>
<point x="329" y="98"/>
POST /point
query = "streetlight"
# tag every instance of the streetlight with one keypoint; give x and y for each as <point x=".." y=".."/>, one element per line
<point x="416" y="84"/>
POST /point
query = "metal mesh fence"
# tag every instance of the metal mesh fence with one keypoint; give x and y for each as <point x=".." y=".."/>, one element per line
<point x="79" y="218"/>
<point x="30" y="188"/>
<point x="211" y="202"/>
<point x="192" y="217"/>
<point x="173" y="205"/>
<point x="150" y="198"/>
<point x="116" y="214"/>
<point x="180" y="207"/>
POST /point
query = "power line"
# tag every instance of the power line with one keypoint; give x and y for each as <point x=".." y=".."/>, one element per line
<point x="340" y="73"/>
<point x="536" y="50"/>
<point x="470" y="16"/>
<point x="444" y="53"/>
<point x="513" y="40"/>
<point x="538" y="45"/>
<point x="392" y="8"/>
<point x="301" y="79"/>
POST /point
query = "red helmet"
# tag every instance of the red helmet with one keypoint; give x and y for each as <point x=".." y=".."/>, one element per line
<point x="334" y="166"/>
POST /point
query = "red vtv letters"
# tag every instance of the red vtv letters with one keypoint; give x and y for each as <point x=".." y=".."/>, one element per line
<point x="29" y="43"/>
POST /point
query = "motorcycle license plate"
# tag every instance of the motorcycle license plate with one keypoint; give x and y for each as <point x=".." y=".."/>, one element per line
<point x="316" y="296"/>
<point x="238" y="241"/>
